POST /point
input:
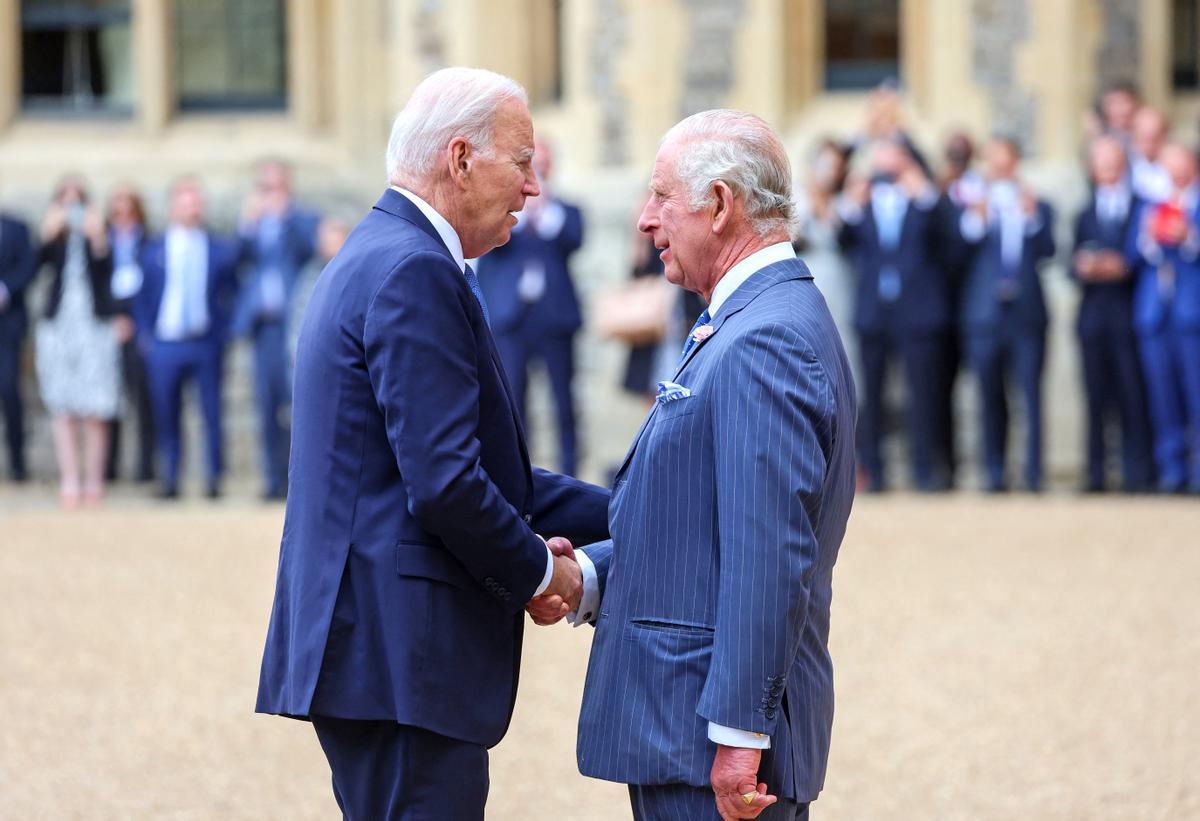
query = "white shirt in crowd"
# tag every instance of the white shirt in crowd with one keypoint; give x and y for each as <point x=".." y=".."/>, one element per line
<point x="183" y="313"/>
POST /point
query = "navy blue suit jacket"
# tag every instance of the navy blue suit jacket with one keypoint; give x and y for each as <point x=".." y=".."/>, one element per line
<point x="981" y="307"/>
<point x="409" y="546"/>
<point x="17" y="268"/>
<point x="726" y="520"/>
<point x="1152" y="310"/>
<point x="557" y="311"/>
<point x="925" y="287"/>
<point x="224" y="256"/>
<point x="294" y="249"/>
<point x="1105" y="304"/>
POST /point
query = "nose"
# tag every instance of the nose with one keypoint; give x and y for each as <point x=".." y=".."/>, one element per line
<point x="648" y="219"/>
<point x="531" y="189"/>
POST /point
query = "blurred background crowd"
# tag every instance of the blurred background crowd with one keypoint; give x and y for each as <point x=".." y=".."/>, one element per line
<point x="1011" y="255"/>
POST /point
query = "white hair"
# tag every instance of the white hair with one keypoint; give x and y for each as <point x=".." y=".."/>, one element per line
<point x="742" y="151"/>
<point x="452" y="102"/>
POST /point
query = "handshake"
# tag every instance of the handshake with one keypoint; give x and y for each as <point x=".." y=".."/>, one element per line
<point x="565" y="589"/>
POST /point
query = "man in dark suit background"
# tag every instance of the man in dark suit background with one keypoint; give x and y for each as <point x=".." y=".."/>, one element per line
<point x="278" y="239"/>
<point x="893" y="232"/>
<point x="182" y="314"/>
<point x="1003" y="313"/>
<point x="17" y="267"/>
<point x="1112" y="373"/>
<point x="532" y="303"/>
<point x="410" y="546"/>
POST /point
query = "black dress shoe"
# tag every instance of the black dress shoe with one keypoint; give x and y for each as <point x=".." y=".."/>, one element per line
<point x="213" y="491"/>
<point x="168" y="492"/>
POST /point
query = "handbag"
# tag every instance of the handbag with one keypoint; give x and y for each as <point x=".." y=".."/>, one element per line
<point x="636" y="313"/>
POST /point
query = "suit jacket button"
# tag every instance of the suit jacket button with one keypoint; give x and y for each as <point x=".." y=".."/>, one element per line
<point x="528" y="517"/>
<point x="770" y="713"/>
<point x="586" y="616"/>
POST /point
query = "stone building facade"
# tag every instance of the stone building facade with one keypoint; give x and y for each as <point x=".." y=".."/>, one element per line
<point x="151" y="89"/>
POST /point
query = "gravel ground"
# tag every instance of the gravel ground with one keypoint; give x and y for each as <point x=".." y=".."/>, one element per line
<point x="1020" y="657"/>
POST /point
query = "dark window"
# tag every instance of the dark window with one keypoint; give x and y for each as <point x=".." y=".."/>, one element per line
<point x="231" y="54"/>
<point x="862" y="43"/>
<point x="1185" y="26"/>
<point x="76" y="56"/>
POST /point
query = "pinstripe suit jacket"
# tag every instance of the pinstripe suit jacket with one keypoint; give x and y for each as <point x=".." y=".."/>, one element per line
<point x="726" y="520"/>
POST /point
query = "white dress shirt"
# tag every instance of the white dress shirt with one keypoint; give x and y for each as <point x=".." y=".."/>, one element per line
<point x="450" y="238"/>
<point x="733" y="279"/>
<point x="183" y="312"/>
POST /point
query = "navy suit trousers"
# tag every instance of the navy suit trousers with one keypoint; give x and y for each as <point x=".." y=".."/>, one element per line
<point x="10" y="399"/>
<point x="923" y="359"/>
<point x="384" y="771"/>
<point x="272" y="396"/>
<point x="1020" y="351"/>
<point x="518" y="348"/>
<point x="683" y="802"/>
<point x="1112" y="378"/>
<point x="170" y="364"/>
<point x="1171" y="360"/>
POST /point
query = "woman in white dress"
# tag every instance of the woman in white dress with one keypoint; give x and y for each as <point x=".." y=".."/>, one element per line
<point x="78" y="365"/>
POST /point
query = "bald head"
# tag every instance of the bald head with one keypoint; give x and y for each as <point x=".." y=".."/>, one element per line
<point x="1149" y="132"/>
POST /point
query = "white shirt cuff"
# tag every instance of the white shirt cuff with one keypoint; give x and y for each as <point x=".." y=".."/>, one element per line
<point x="551" y="220"/>
<point x="972" y="226"/>
<point x="590" y="602"/>
<point x="549" y="572"/>
<point x="731" y="737"/>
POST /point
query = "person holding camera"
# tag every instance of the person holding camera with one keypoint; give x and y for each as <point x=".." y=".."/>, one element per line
<point x="78" y="342"/>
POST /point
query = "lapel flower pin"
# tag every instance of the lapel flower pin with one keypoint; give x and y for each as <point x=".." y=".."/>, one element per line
<point x="702" y="333"/>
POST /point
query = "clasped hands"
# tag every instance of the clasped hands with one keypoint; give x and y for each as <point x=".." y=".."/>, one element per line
<point x="565" y="589"/>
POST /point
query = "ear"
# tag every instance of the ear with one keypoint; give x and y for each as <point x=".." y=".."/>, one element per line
<point x="459" y="159"/>
<point x="722" y="207"/>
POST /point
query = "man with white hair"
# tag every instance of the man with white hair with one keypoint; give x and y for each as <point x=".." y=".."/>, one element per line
<point x="410" y="544"/>
<point x="710" y="671"/>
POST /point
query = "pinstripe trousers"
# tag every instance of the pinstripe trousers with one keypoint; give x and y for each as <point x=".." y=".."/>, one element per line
<point x="683" y="802"/>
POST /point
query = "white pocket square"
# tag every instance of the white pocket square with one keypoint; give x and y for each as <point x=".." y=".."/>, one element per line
<point x="670" y="392"/>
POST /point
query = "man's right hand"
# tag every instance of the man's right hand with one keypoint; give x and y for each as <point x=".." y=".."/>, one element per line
<point x="565" y="588"/>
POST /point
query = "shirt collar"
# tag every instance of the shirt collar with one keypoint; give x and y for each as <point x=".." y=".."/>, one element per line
<point x="444" y="229"/>
<point x="745" y="269"/>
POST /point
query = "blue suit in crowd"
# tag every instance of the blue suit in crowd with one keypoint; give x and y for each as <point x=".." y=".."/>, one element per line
<point x="726" y="520"/>
<point x="182" y="312"/>
<point x="902" y="308"/>
<point x="17" y="267"/>
<point x="534" y="310"/>
<point x="1004" y="320"/>
<point x="277" y="249"/>
<point x="409" y="545"/>
<point x="1112" y="373"/>
<point x="1166" y="315"/>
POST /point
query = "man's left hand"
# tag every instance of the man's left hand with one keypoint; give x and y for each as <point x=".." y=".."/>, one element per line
<point x="735" y="774"/>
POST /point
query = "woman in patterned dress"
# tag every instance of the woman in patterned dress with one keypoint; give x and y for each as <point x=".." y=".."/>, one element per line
<point x="78" y="363"/>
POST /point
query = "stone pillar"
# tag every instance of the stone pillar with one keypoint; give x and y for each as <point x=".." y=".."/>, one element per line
<point x="154" y="57"/>
<point x="609" y="38"/>
<point x="10" y="60"/>
<point x="709" y="66"/>
<point x="304" y="63"/>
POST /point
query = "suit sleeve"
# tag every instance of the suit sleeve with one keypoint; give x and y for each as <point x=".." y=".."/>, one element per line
<point x="564" y="506"/>
<point x="773" y="412"/>
<point x="423" y="363"/>
<point x="24" y="261"/>
<point x="1043" y="237"/>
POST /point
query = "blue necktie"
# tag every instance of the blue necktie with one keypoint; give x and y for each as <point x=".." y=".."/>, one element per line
<point x="702" y="320"/>
<point x="473" y="283"/>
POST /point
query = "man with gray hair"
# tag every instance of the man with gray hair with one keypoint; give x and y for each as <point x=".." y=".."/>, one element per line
<point x="709" y="670"/>
<point x="410" y="545"/>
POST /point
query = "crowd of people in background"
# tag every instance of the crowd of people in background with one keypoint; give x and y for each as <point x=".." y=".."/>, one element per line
<point x="932" y="266"/>
<point x="946" y="272"/>
<point x="142" y="315"/>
